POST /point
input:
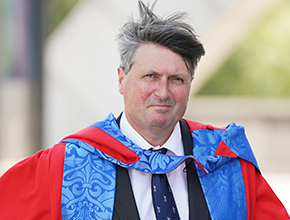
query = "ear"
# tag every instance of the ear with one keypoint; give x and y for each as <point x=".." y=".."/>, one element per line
<point x="121" y="79"/>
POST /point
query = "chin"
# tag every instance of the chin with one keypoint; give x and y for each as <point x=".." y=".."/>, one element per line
<point x="161" y="123"/>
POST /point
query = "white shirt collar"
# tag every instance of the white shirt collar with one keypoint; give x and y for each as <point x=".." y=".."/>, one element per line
<point x="173" y="144"/>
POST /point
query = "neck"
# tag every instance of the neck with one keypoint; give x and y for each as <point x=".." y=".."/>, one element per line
<point x="155" y="138"/>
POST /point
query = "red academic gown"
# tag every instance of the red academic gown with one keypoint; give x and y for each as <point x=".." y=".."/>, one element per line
<point x="31" y="189"/>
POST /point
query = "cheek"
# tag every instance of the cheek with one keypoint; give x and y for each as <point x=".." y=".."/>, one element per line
<point x="141" y="91"/>
<point x="135" y="94"/>
<point x="181" y="96"/>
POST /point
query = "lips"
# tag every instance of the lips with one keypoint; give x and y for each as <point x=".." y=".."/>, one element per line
<point x="161" y="109"/>
<point x="161" y="106"/>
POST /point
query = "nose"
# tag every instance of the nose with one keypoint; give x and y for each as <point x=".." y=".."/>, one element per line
<point x="162" y="90"/>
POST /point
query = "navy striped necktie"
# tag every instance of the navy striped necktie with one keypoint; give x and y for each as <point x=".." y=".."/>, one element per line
<point x="163" y="200"/>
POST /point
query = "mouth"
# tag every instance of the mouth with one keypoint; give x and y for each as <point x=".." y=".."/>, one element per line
<point x="161" y="108"/>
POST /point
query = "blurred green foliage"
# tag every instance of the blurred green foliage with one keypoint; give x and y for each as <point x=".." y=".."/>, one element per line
<point x="260" y="66"/>
<point x="55" y="11"/>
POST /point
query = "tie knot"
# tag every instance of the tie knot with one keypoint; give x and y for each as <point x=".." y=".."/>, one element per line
<point x="160" y="151"/>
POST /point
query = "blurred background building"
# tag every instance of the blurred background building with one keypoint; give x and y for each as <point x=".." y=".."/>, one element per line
<point x="58" y="62"/>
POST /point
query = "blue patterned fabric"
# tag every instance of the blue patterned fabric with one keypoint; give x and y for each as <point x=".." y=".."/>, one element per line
<point x="223" y="186"/>
<point x="89" y="174"/>
<point x="88" y="185"/>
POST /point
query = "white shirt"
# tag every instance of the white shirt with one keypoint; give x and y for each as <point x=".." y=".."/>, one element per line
<point x="141" y="181"/>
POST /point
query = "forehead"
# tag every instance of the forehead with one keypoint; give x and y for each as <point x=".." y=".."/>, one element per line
<point x="159" y="58"/>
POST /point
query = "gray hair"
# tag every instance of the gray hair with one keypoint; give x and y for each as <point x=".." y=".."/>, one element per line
<point x="171" y="32"/>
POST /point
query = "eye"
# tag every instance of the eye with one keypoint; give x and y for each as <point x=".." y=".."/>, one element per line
<point x="177" y="80"/>
<point x="149" y="75"/>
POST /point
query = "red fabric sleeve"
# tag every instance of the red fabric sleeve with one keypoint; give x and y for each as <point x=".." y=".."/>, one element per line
<point x="262" y="202"/>
<point x="31" y="189"/>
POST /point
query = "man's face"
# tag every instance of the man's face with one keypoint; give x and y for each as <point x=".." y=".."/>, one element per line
<point x="156" y="89"/>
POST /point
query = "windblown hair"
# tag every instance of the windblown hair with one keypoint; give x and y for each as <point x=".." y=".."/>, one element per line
<point x="171" y="32"/>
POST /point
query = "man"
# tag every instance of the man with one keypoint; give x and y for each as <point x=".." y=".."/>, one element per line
<point x="105" y="171"/>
